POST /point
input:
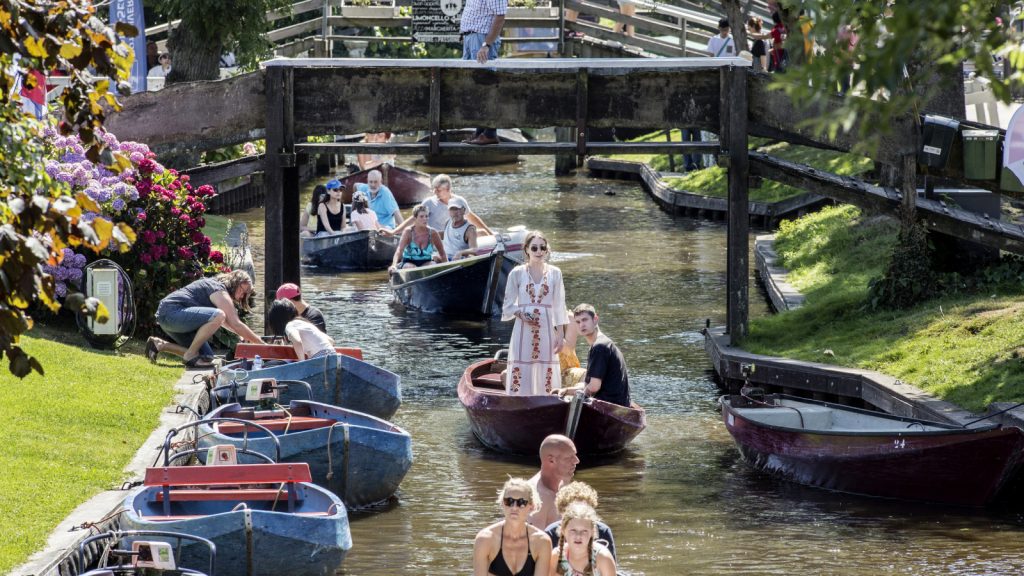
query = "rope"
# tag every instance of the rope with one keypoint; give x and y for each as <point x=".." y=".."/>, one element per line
<point x="96" y="525"/>
<point x="288" y="424"/>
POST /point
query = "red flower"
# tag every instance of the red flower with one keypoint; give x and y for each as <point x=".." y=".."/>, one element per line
<point x="185" y="253"/>
<point x="206" y="190"/>
<point x="216" y="256"/>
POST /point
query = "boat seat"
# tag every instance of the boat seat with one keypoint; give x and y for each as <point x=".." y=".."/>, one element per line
<point x="489" y="380"/>
<point x="283" y="351"/>
<point x="292" y="424"/>
<point x="814" y="417"/>
<point x="185" y="495"/>
<point x="230" y="475"/>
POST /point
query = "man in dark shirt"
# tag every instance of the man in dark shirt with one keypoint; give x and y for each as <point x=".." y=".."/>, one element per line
<point x="311" y="313"/>
<point x="607" y="377"/>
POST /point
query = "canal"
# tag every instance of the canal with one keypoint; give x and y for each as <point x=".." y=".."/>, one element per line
<point x="679" y="499"/>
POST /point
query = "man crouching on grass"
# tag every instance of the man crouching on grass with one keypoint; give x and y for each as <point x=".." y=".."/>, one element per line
<point x="607" y="377"/>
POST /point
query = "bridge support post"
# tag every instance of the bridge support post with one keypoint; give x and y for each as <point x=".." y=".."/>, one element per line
<point x="733" y="110"/>
<point x="281" y="180"/>
<point x="565" y="163"/>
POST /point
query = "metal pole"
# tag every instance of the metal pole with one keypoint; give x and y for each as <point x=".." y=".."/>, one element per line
<point x="561" y="28"/>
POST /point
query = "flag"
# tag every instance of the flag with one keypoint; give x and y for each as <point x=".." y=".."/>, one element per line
<point x="130" y="12"/>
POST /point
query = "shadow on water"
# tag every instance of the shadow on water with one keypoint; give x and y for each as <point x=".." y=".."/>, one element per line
<point x="679" y="498"/>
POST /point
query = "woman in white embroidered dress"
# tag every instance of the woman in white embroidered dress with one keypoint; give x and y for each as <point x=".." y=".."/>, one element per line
<point x="535" y="298"/>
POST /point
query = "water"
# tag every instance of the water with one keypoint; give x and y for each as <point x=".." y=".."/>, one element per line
<point x="679" y="499"/>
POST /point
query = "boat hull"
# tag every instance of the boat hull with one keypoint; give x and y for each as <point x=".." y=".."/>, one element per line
<point x="408" y="186"/>
<point x="362" y="250"/>
<point x="469" y="287"/>
<point x="363" y="465"/>
<point x="336" y="380"/>
<point x="483" y="156"/>
<point x="282" y="542"/>
<point x="518" y="424"/>
<point x="960" y="467"/>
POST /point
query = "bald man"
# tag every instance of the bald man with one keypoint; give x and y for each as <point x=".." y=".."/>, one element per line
<point x="557" y="465"/>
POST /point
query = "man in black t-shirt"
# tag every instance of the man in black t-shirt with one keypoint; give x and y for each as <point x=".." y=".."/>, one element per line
<point x="607" y="377"/>
<point x="312" y="313"/>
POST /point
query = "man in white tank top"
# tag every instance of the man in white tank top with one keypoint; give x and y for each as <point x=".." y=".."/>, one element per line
<point x="459" y="235"/>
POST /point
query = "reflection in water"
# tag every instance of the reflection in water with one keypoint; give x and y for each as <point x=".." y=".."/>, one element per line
<point x="679" y="499"/>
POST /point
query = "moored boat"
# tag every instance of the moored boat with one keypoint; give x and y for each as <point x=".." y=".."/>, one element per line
<point x="360" y="458"/>
<point x="338" y="380"/>
<point x="265" y="519"/>
<point x="408" y="186"/>
<point x="143" y="552"/>
<point x="480" y="156"/>
<point x="473" y="286"/>
<point x="518" y="424"/>
<point x="358" y="250"/>
<point x="863" y="452"/>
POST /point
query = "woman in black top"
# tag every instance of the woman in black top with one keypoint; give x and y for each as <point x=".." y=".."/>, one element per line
<point x="331" y="212"/>
<point x="513" y="547"/>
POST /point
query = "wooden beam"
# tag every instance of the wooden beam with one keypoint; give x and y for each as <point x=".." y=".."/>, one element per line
<point x="194" y="116"/>
<point x="734" y="135"/>
<point x="934" y="214"/>
<point x="214" y="174"/>
<point x="535" y="148"/>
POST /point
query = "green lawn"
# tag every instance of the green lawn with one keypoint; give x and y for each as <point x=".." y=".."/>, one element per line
<point x="217" y="228"/>
<point x="965" y="349"/>
<point x="714" y="181"/>
<point x="69" y="434"/>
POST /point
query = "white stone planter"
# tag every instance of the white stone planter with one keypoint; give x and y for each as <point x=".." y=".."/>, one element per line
<point x="368" y="12"/>
<point x="538" y="12"/>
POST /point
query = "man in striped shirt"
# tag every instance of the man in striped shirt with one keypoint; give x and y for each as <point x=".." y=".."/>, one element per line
<point x="481" y="30"/>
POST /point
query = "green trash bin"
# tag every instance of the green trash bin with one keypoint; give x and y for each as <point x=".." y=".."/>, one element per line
<point x="981" y="148"/>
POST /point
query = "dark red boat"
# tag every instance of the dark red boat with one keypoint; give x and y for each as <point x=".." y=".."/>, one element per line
<point x="518" y="424"/>
<point x="409" y="186"/>
<point x="863" y="452"/>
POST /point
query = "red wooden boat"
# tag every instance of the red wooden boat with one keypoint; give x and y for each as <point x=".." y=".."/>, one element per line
<point x="863" y="452"/>
<point x="409" y="186"/>
<point x="518" y="424"/>
<point x="283" y="351"/>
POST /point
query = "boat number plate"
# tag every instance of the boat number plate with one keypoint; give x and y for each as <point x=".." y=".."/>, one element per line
<point x="732" y="420"/>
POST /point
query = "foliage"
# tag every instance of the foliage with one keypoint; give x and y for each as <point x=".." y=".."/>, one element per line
<point x="39" y="217"/>
<point x="99" y="407"/>
<point x="964" y="347"/>
<point x="234" y="152"/>
<point x="209" y="28"/>
<point x="891" y="37"/>
<point x="162" y="207"/>
<point x="408" y="49"/>
<point x="908" y="278"/>
<point x="67" y="273"/>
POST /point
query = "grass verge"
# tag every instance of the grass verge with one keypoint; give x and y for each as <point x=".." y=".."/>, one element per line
<point x="69" y="434"/>
<point x="714" y="182"/>
<point x="217" y="229"/>
<point x="967" y="349"/>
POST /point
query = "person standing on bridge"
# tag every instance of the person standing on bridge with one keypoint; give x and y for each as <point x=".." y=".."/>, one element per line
<point x="481" y="25"/>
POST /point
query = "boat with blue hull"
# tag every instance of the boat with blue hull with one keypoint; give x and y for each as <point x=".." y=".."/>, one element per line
<point x="264" y="519"/>
<point x="337" y="380"/>
<point x="360" y="458"/>
<point x="141" y="553"/>
<point x="350" y="251"/>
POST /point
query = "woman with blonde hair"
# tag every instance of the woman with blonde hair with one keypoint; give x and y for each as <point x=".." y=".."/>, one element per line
<point x="568" y="495"/>
<point x="579" y="554"/>
<point x="513" y="547"/>
<point x="420" y="244"/>
<point x="535" y="299"/>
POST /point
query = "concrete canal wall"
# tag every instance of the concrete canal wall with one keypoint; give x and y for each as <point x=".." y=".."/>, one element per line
<point x="101" y="513"/>
<point x="680" y="202"/>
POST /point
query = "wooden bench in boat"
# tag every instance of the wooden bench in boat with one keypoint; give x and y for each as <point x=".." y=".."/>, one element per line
<point x="228" y="477"/>
<point x="283" y="352"/>
<point x="293" y="424"/>
<point x="489" y="380"/>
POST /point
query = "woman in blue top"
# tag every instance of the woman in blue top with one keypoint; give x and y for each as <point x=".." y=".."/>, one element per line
<point x="419" y="244"/>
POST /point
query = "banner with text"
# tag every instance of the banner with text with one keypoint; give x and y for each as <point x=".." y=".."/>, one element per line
<point x="436" y="21"/>
<point x="130" y="12"/>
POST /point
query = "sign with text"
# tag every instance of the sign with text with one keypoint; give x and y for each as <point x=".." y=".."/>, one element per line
<point x="130" y="12"/>
<point x="436" y="21"/>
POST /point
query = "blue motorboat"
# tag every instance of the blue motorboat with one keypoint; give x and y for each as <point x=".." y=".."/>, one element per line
<point x="336" y="380"/>
<point x="265" y="519"/>
<point x="360" y="458"/>
<point x="142" y="552"/>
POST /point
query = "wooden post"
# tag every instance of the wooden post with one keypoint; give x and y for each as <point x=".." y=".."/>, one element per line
<point x="561" y="28"/>
<point x="565" y="163"/>
<point x="281" y="241"/>
<point x="909" y="186"/>
<point x="733" y="111"/>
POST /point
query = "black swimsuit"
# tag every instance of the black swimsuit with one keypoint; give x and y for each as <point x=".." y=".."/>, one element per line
<point x="499" y="567"/>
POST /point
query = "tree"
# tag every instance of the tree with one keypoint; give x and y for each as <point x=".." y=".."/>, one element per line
<point x="211" y="27"/>
<point x="900" y="58"/>
<point x="38" y="216"/>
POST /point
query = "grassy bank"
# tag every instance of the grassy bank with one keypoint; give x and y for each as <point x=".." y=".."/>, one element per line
<point x="714" y="181"/>
<point x="968" y="349"/>
<point x="69" y="434"/>
<point x="217" y="229"/>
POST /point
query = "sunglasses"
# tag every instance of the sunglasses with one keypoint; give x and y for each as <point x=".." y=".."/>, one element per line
<point x="536" y="248"/>
<point x="519" y="502"/>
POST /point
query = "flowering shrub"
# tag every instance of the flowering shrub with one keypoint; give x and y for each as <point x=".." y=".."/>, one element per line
<point x="69" y="271"/>
<point x="159" y="204"/>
